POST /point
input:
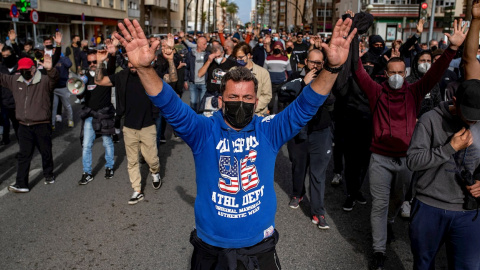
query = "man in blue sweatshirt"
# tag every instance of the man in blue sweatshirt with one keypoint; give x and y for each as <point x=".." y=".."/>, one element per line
<point x="234" y="153"/>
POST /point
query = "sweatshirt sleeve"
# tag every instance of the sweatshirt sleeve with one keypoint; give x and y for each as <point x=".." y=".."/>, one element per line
<point x="421" y="156"/>
<point x="284" y="126"/>
<point x="191" y="127"/>
<point x="433" y="75"/>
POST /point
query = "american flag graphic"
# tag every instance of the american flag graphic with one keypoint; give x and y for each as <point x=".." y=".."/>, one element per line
<point x="249" y="173"/>
<point x="228" y="171"/>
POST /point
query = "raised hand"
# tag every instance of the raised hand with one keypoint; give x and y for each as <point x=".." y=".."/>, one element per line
<point x="394" y="53"/>
<point x="170" y="41"/>
<point x="267" y="40"/>
<point x="220" y="27"/>
<point x="338" y="48"/>
<point x="476" y="10"/>
<point x="139" y="52"/>
<point x="101" y="56"/>
<point x="352" y="14"/>
<point x="111" y="48"/>
<point x="47" y="62"/>
<point x="12" y="36"/>
<point x="459" y="34"/>
<point x="250" y="28"/>
<point x="420" y="24"/>
<point x="58" y="38"/>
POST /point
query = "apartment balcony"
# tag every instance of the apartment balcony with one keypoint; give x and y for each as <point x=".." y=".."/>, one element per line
<point x="162" y="4"/>
<point x="133" y="13"/>
<point x="394" y="11"/>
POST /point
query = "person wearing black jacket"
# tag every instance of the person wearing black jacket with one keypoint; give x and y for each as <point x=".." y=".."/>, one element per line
<point x="97" y="115"/>
<point x="9" y="66"/>
<point x="312" y="146"/>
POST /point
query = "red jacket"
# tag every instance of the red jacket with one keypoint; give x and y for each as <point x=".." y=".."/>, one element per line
<point x="394" y="112"/>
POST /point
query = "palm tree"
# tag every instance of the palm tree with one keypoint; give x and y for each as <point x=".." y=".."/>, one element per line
<point x="277" y="25"/>
<point x="202" y="23"/>
<point x="203" y="18"/>
<point x="232" y="9"/>
<point x="224" y="5"/>
<point x="169" y="24"/>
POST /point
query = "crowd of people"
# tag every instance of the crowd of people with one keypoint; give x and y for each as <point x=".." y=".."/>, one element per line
<point x="402" y="116"/>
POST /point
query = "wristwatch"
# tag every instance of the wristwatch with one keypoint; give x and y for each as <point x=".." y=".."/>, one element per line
<point x="333" y="70"/>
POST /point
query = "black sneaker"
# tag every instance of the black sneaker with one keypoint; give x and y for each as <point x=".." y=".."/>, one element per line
<point x="378" y="261"/>
<point x="136" y="197"/>
<point x="156" y="180"/>
<point x="349" y="204"/>
<point x="360" y="199"/>
<point x="390" y="235"/>
<point x="18" y="189"/>
<point x="295" y="202"/>
<point x="85" y="179"/>
<point x="322" y="223"/>
<point x="49" y="180"/>
<point x="108" y="173"/>
<point x="115" y="138"/>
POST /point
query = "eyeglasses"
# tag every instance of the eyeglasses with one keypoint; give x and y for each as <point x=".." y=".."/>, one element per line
<point x="90" y="62"/>
<point x="241" y="57"/>
<point x="315" y="63"/>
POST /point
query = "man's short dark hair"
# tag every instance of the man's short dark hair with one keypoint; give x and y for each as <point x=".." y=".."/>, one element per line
<point x="74" y="36"/>
<point x="238" y="74"/>
<point x="93" y="51"/>
<point x="8" y="48"/>
<point x="29" y="42"/>
<point x="48" y="38"/>
<point x="242" y="46"/>
<point x="395" y="60"/>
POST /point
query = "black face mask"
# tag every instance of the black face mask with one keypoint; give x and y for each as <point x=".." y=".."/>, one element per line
<point x="10" y="61"/>
<point x="85" y="48"/>
<point x="277" y="51"/>
<point x="39" y="55"/>
<point x="289" y="50"/>
<point x="238" y="113"/>
<point x="78" y="44"/>
<point x="368" y="69"/>
<point x="434" y="48"/>
<point x="49" y="47"/>
<point x="26" y="74"/>
<point x="377" y="50"/>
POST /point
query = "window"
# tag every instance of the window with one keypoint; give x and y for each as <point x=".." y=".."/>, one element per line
<point x="111" y="3"/>
<point x="122" y="4"/>
<point x="99" y="3"/>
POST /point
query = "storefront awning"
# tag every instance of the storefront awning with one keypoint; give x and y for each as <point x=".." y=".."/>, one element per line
<point x="86" y="22"/>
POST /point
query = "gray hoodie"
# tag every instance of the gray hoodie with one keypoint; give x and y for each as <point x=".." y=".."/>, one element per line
<point x="436" y="162"/>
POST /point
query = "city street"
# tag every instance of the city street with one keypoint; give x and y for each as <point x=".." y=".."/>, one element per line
<point x="67" y="226"/>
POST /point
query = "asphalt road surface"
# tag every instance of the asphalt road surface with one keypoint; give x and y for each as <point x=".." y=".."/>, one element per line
<point x="67" y="226"/>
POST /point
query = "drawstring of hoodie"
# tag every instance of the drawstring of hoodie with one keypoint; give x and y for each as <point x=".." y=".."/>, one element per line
<point x="389" y="118"/>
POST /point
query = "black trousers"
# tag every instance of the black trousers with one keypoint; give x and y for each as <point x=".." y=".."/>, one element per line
<point x="358" y="137"/>
<point x="314" y="154"/>
<point x="260" y="256"/>
<point x="7" y="116"/>
<point x="29" y="137"/>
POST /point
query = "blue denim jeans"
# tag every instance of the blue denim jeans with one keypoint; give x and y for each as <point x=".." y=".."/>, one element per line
<point x="197" y="91"/>
<point x="88" y="139"/>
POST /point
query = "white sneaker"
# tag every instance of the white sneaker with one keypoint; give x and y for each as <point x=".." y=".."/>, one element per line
<point x="77" y="101"/>
<point x="59" y="118"/>
<point x="337" y="178"/>
<point x="136" y="197"/>
<point x="406" y="209"/>
<point x="157" y="181"/>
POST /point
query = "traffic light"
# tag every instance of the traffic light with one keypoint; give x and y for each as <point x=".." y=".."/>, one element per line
<point x="423" y="10"/>
<point x="23" y="5"/>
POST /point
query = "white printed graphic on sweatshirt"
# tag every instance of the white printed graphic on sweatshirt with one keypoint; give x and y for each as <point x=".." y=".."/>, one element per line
<point x="238" y="176"/>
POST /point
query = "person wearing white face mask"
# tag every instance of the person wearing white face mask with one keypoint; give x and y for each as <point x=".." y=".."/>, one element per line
<point x="421" y="63"/>
<point x="215" y="68"/>
<point x="394" y="105"/>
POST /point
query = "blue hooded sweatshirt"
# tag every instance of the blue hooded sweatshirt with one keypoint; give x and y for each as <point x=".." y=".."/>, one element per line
<point x="236" y="202"/>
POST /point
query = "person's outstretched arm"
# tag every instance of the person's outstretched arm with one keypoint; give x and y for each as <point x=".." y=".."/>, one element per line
<point x="472" y="67"/>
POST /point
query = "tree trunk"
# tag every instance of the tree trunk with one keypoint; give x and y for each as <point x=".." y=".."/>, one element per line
<point x="277" y="25"/>
<point x="468" y="11"/>
<point x="209" y="28"/>
<point x="202" y="22"/>
<point x="285" y="28"/>
<point x="296" y="16"/>
<point x="196" y="18"/>
<point x="185" y="18"/>
<point x="169" y="19"/>
<point x="315" y="19"/>
<point x="142" y="14"/>
<point x="304" y="12"/>
<point x="270" y="15"/>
